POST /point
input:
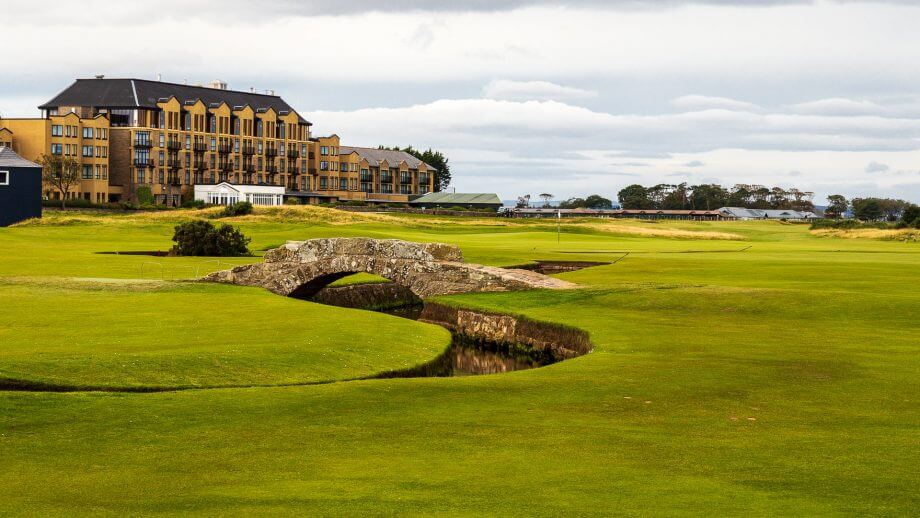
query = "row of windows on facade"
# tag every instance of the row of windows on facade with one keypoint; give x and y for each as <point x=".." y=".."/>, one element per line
<point x="97" y="172"/>
<point x="143" y="138"/>
<point x="323" y="183"/>
<point x="217" y="124"/>
<point x="143" y="155"/>
<point x="87" y="151"/>
<point x="58" y="130"/>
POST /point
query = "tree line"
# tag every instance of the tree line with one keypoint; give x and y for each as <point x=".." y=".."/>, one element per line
<point x="713" y="196"/>
<point x="594" y="201"/>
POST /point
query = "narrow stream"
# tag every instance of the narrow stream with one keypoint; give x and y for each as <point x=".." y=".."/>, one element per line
<point x="466" y="356"/>
<point x="482" y="343"/>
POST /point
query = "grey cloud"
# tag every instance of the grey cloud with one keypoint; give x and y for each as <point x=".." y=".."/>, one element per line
<point x="88" y="11"/>
<point x="694" y="163"/>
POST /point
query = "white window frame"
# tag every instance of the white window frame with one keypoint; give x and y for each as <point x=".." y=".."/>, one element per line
<point x="4" y="177"/>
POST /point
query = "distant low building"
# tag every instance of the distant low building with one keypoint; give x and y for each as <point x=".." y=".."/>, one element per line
<point x="227" y="194"/>
<point x="446" y="200"/>
<point x="695" y="215"/>
<point x="743" y="213"/>
<point x="20" y="188"/>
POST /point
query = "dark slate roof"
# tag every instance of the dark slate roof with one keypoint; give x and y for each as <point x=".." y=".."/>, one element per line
<point x="9" y="158"/>
<point x="375" y="156"/>
<point x="459" y="198"/>
<point x="144" y="93"/>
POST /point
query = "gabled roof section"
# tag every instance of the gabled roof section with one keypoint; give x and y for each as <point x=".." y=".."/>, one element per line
<point x="144" y="93"/>
<point x="375" y="157"/>
<point x="9" y="158"/>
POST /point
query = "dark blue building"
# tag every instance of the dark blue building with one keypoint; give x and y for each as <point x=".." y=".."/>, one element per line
<point x="20" y="188"/>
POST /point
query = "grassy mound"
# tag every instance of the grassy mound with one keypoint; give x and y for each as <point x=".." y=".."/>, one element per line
<point x="98" y="334"/>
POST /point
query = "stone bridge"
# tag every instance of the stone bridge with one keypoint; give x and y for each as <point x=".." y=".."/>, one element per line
<point x="302" y="268"/>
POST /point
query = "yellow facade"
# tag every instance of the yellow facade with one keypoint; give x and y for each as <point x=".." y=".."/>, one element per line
<point x="168" y="145"/>
<point x="84" y="139"/>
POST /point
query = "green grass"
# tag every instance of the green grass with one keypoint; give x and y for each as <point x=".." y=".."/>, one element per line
<point x="781" y="379"/>
<point x="190" y="335"/>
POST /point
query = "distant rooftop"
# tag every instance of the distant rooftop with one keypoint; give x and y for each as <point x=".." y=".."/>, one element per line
<point x="145" y="93"/>
<point x="9" y="158"/>
<point x="376" y="156"/>
<point x="448" y="198"/>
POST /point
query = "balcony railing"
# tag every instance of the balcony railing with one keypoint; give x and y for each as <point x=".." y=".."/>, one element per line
<point x="387" y="178"/>
<point x="249" y="149"/>
<point x="173" y="179"/>
<point x="292" y="169"/>
<point x="367" y="178"/>
<point x="146" y="143"/>
<point x="173" y="163"/>
<point x="225" y="166"/>
<point x="142" y="163"/>
<point x="200" y="147"/>
<point x="405" y="180"/>
<point x="201" y="165"/>
<point x="293" y="154"/>
<point x="271" y="169"/>
<point x="173" y="145"/>
<point x="249" y="168"/>
<point x="271" y="151"/>
<point x="225" y="149"/>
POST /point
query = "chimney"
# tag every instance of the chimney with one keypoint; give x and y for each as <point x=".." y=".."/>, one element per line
<point x="252" y="89"/>
<point x="159" y="76"/>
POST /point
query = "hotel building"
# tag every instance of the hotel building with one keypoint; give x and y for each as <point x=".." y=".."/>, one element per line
<point x="129" y="133"/>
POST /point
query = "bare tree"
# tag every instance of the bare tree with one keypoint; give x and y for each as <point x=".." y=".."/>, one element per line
<point x="546" y="197"/>
<point x="60" y="172"/>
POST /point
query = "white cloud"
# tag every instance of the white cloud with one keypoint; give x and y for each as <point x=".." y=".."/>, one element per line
<point x="839" y="106"/>
<point x="694" y="163"/>
<point x="508" y="90"/>
<point x="875" y="167"/>
<point x="703" y="102"/>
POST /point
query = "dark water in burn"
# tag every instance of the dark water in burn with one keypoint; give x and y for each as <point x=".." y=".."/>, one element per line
<point x="466" y="357"/>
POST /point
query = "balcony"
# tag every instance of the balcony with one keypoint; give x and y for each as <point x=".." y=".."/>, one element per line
<point x="142" y="163"/>
<point x="173" y="163"/>
<point x="200" y="147"/>
<point x="201" y="165"/>
<point x="271" y="169"/>
<point x="174" y="180"/>
<point x="291" y="169"/>
<point x="293" y="153"/>
<point x="386" y="178"/>
<point x="173" y="145"/>
<point x="249" y="149"/>
<point x="225" y="149"/>
<point x="143" y="143"/>
<point x="249" y="168"/>
<point x="225" y="166"/>
<point x="271" y="151"/>
<point x="405" y="180"/>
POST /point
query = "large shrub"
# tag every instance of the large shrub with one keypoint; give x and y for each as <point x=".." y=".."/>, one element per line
<point x="292" y="201"/>
<point x="201" y="237"/>
<point x="145" y="195"/>
<point x="240" y="208"/>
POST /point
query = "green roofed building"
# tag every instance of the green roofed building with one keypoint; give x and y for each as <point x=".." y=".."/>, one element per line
<point x="446" y="200"/>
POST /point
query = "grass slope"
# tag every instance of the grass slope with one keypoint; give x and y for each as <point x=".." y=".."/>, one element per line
<point x="781" y="379"/>
<point x="168" y="335"/>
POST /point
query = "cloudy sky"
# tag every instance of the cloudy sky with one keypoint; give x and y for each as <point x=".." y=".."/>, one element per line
<point x="567" y="97"/>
